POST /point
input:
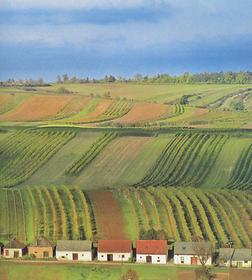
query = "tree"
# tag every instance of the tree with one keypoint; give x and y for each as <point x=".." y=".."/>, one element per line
<point x="203" y="250"/>
<point x="65" y="78"/>
<point x="130" y="275"/>
<point x="153" y="234"/>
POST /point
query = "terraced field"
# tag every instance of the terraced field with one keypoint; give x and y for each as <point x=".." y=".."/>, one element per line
<point x="183" y="213"/>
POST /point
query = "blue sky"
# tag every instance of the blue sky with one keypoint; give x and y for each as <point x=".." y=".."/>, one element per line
<point x="98" y="37"/>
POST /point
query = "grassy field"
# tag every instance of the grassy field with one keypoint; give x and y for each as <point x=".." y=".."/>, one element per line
<point x="51" y="271"/>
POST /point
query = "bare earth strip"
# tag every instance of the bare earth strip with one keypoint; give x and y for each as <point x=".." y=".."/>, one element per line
<point x="109" y="216"/>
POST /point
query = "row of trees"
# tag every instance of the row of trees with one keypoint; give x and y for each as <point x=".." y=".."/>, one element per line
<point x="186" y="78"/>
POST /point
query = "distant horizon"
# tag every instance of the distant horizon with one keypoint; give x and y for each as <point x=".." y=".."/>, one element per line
<point x="123" y="38"/>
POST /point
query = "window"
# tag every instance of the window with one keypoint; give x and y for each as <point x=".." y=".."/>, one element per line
<point x="66" y="254"/>
<point x="102" y="256"/>
<point x="245" y="261"/>
<point x="46" y="254"/>
<point x="123" y="256"/>
<point x="182" y="259"/>
<point x="158" y="260"/>
<point x="7" y="253"/>
<point x="82" y="255"/>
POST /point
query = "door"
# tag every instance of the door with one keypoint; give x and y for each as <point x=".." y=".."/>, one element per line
<point x="16" y="254"/>
<point x="148" y="259"/>
<point x="194" y="260"/>
<point x="75" y="257"/>
<point x="239" y="264"/>
<point x="110" y="257"/>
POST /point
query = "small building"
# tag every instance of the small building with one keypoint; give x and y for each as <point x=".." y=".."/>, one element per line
<point x="242" y="258"/>
<point x="74" y="250"/>
<point x="14" y="249"/>
<point x="41" y="248"/>
<point x="114" y="250"/>
<point x="151" y="251"/>
<point x="190" y="253"/>
<point x="225" y="256"/>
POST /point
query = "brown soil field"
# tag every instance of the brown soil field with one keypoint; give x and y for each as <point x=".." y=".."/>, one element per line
<point x="199" y="112"/>
<point x="37" y="108"/>
<point x="4" y="98"/>
<point x="108" y="213"/>
<point x="143" y="112"/>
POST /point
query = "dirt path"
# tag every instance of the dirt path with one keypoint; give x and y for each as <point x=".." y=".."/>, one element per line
<point x="108" y="215"/>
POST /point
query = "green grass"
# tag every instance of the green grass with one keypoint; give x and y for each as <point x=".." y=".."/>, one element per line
<point x="45" y="271"/>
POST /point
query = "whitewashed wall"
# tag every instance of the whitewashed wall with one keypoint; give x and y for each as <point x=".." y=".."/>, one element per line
<point x="117" y="257"/>
<point x="156" y="259"/>
<point x="66" y="255"/>
<point x="248" y="264"/>
<point x="187" y="259"/>
<point x="11" y="253"/>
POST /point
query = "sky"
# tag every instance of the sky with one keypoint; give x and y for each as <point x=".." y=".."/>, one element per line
<point x="44" y="38"/>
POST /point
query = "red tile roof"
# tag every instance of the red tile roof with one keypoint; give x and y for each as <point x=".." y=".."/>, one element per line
<point x="114" y="246"/>
<point x="152" y="247"/>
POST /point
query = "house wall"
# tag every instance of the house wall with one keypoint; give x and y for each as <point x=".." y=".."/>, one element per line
<point x="117" y="257"/>
<point x="67" y="255"/>
<point x="156" y="259"/>
<point x="39" y="251"/>
<point x="243" y="264"/>
<point x="11" y="253"/>
<point x="187" y="259"/>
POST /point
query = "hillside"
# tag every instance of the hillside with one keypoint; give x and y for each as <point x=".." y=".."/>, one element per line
<point x="73" y="213"/>
<point x="99" y="158"/>
<point x="114" y="161"/>
<point x="123" y="104"/>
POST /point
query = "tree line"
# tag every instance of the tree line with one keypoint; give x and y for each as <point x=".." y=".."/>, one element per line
<point x="229" y="77"/>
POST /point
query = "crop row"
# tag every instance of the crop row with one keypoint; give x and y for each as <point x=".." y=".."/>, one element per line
<point x="24" y="152"/>
<point x="184" y="214"/>
<point x="185" y="161"/>
<point x="188" y="213"/>
<point x="57" y="213"/>
<point x="242" y="174"/>
<point x="91" y="154"/>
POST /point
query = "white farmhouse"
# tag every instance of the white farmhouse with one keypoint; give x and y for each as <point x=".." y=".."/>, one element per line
<point x="151" y="251"/>
<point x="192" y="253"/>
<point x="15" y="249"/>
<point x="74" y="250"/>
<point x="242" y="258"/>
<point x="114" y="250"/>
<point x="225" y="256"/>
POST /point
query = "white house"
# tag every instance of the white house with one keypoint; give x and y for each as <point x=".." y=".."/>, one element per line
<point x="242" y="258"/>
<point x="192" y="253"/>
<point x="15" y="249"/>
<point x="74" y="250"/>
<point x="151" y="251"/>
<point x="225" y="256"/>
<point x="114" y="250"/>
